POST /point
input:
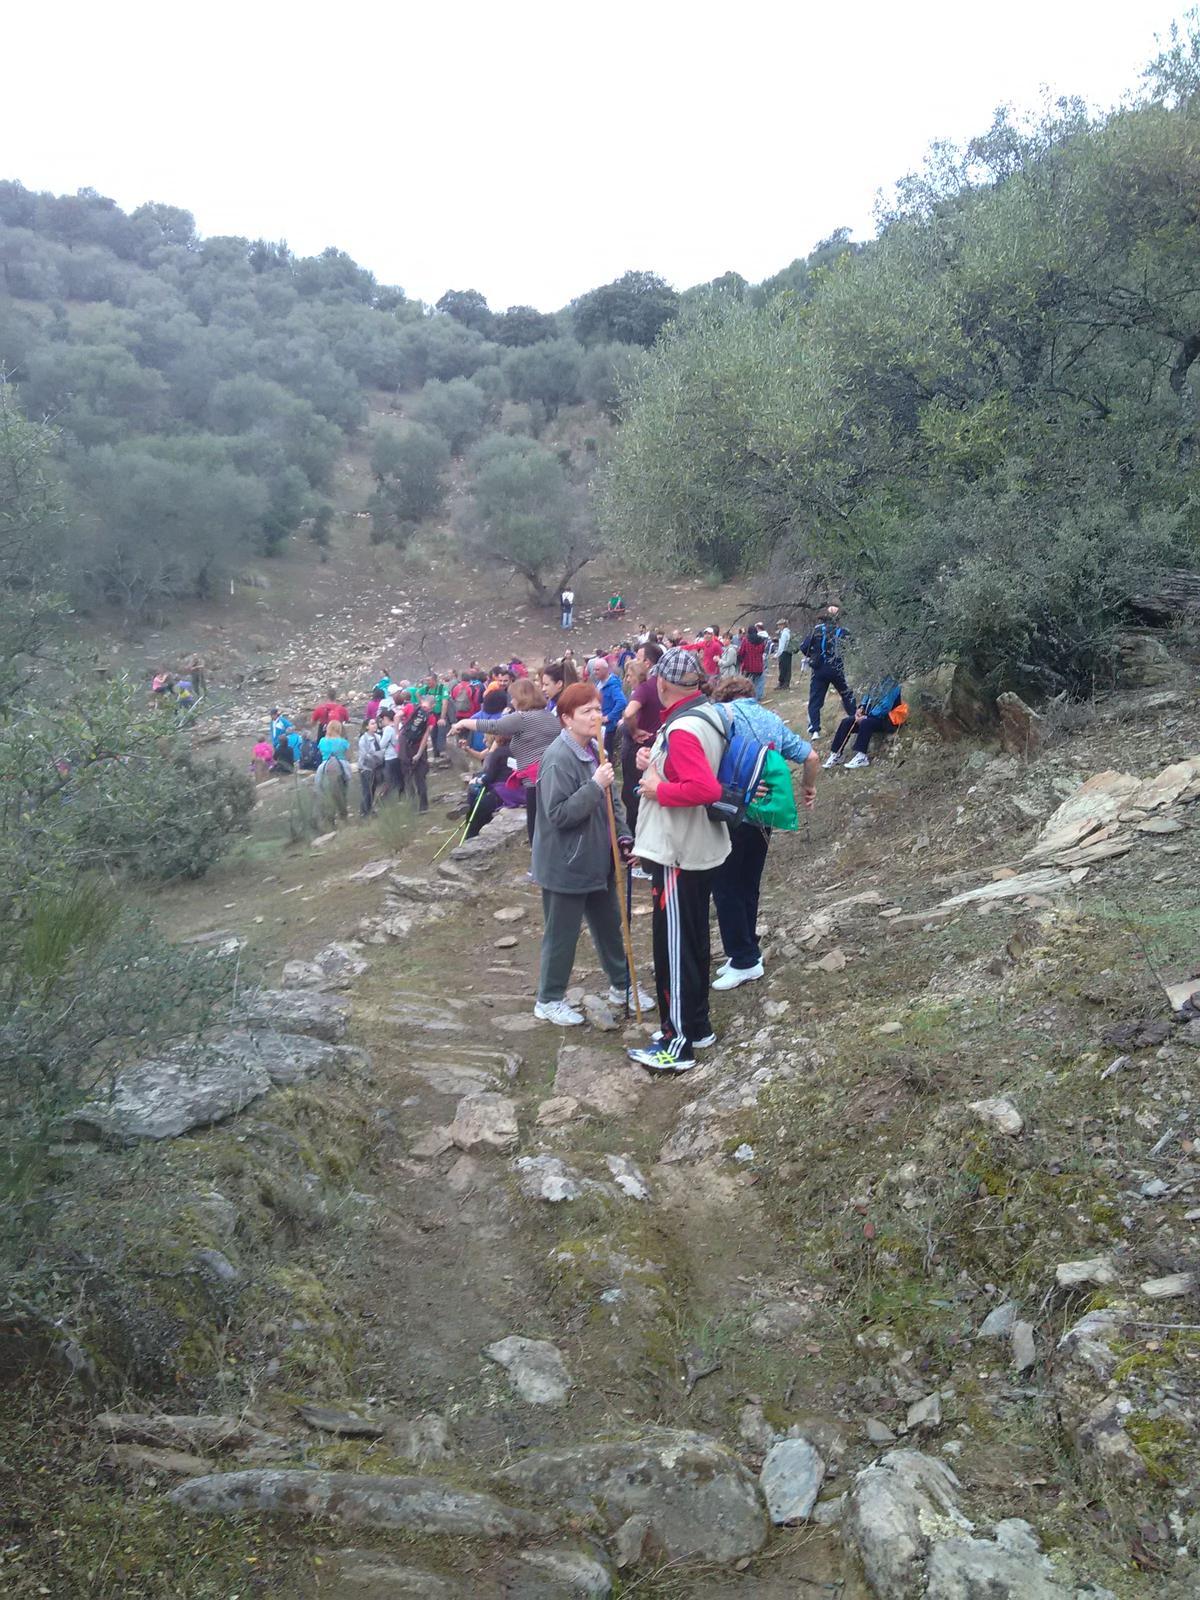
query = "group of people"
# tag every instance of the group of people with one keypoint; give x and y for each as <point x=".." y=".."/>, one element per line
<point x="621" y="763"/>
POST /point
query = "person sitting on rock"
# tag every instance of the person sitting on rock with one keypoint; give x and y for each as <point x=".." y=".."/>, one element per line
<point x="882" y="711"/>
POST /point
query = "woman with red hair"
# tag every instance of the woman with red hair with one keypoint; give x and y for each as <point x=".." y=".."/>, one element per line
<point x="572" y="857"/>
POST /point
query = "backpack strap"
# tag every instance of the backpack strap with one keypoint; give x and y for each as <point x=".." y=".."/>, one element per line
<point x="722" y="725"/>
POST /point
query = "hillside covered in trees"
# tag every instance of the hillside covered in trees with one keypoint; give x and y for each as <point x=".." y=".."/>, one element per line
<point x="203" y="389"/>
<point x="982" y="426"/>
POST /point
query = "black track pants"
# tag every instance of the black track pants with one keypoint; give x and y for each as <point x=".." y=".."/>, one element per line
<point x="681" y="955"/>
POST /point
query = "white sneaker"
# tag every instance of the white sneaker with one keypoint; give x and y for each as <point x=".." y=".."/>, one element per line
<point x="833" y="759"/>
<point x="640" y="874"/>
<point x="559" y="1012"/>
<point x="734" y="977"/>
<point x="858" y="761"/>
<point x="616" y="997"/>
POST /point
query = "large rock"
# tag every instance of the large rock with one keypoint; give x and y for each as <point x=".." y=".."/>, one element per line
<point x="411" y="1505"/>
<point x="951" y="701"/>
<point x="321" y="1016"/>
<point x="687" y="1498"/>
<point x="1021" y="727"/>
<point x="286" y="1058"/>
<point x="484" y="1122"/>
<point x="196" y="1085"/>
<point x="1009" y="1567"/>
<point x="998" y="1113"/>
<point x="891" y="1514"/>
<point x="535" y="1368"/>
<point x="160" y="1099"/>
<point x="791" y="1479"/>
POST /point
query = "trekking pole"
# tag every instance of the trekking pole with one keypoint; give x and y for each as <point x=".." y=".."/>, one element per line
<point x="626" y="935"/>
<point x="466" y="826"/>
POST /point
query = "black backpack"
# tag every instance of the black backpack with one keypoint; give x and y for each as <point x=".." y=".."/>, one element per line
<point x="310" y="755"/>
<point x="414" y="728"/>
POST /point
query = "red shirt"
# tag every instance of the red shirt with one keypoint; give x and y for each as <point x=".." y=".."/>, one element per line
<point x="688" y="780"/>
<point x="710" y="653"/>
<point x="750" y="656"/>
<point x="330" y="711"/>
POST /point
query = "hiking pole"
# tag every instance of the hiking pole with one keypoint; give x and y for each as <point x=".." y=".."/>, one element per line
<point x="626" y="935"/>
<point x="466" y="826"/>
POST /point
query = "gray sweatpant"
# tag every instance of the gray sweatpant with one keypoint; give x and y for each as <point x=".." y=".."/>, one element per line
<point x="564" y="915"/>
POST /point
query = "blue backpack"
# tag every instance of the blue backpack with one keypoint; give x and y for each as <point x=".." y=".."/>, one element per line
<point x="824" y="645"/>
<point x="740" y="772"/>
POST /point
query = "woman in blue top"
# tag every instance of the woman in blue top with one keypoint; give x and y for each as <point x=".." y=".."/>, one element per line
<point x="333" y="775"/>
<point x="736" y="882"/>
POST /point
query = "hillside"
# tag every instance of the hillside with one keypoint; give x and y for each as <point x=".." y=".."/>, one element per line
<point x="813" y="1235"/>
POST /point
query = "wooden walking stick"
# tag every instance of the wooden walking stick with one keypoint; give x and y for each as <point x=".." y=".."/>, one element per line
<point x="626" y="935"/>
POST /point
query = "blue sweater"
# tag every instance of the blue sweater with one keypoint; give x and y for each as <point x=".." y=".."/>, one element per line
<point x="763" y="725"/>
<point x="612" y="700"/>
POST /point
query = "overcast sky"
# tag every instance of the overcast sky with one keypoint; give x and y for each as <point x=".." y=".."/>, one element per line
<point x="533" y="150"/>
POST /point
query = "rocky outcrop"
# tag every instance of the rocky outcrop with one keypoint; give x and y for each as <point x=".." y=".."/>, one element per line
<point x="903" y="1521"/>
<point x="195" y="1086"/>
<point x="667" y="1494"/>
<point x="410" y="1505"/>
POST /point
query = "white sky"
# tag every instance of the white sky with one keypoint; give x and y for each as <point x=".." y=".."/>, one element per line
<point x="533" y="150"/>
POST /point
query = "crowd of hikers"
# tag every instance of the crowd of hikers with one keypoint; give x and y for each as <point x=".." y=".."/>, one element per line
<point x="654" y="760"/>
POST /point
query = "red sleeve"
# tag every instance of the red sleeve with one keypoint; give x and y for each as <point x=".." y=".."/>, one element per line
<point x="688" y="780"/>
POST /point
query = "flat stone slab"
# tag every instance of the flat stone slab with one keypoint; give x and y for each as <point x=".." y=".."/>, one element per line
<point x="194" y="1433"/>
<point x="410" y="1504"/>
<point x="160" y="1099"/>
<point x="198" y="1085"/>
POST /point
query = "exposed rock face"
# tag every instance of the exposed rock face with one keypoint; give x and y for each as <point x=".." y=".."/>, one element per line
<point x="536" y="1369"/>
<point x="891" y="1507"/>
<point x="1009" y="1567"/>
<point x="553" y="1572"/>
<point x="902" y="1519"/>
<point x="950" y="701"/>
<point x="160" y="1099"/>
<point x="413" y="1505"/>
<point x="697" y="1502"/>
<point x="321" y="1016"/>
<point x="598" y="1080"/>
<point x="197" y="1085"/>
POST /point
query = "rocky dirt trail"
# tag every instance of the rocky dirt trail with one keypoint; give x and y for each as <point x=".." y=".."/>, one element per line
<point x="895" y="1294"/>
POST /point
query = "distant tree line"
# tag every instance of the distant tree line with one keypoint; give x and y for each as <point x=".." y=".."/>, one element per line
<point x="202" y="390"/>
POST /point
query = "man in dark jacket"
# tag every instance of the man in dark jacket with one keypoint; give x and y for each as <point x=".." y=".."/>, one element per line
<point x="823" y="648"/>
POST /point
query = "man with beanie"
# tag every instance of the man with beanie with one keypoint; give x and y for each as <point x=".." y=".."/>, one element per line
<point x="682" y="846"/>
